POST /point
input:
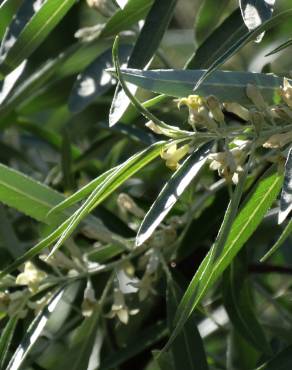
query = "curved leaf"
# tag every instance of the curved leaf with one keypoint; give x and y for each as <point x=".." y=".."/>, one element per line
<point x="224" y="85"/>
<point x="246" y="222"/>
<point x="240" y="43"/>
<point x="239" y="306"/>
<point x="6" y="338"/>
<point x="282" y="361"/>
<point x="33" y="332"/>
<point x="7" y="10"/>
<point x="171" y="192"/>
<point x="32" y="24"/>
<point x="151" y="35"/>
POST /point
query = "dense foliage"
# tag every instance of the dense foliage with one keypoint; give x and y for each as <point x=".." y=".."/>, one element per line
<point x="145" y="184"/>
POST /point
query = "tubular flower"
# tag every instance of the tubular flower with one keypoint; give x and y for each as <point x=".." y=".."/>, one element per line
<point x="31" y="276"/>
<point x="172" y="155"/>
<point x="194" y="103"/>
<point x="286" y="93"/>
<point x="120" y="309"/>
<point x="229" y="164"/>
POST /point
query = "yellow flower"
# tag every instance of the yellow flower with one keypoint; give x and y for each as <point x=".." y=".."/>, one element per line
<point x="172" y="155"/>
<point x="192" y="101"/>
<point x="31" y="276"/>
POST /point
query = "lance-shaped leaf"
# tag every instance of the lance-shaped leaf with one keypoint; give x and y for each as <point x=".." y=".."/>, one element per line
<point x="151" y="34"/>
<point x="6" y="339"/>
<point x="133" y="11"/>
<point x="171" y="192"/>
<point x="187" y="349"/>
<point x="286" y="195"/>
<point x="33" y="332"/>
<point x="283" y="237"/>
<point x="239" y="305"/>
<point x="255" y="12"/>
<point x="241" y="42"/>
<point x="7" y="10"/>
<point x="31" y="25"/>
<point x="218" y="42"/>
<point x="110" y="184"/>
<point x="225" y="85"/>
<point x="251" y="214"/>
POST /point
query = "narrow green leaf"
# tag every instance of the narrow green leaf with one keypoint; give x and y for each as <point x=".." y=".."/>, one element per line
<point x="151" y="35"/>
<point x="33" y="332"/>
<point x="133" y="11"/>
<point x="240" y="43"/>
<point x="7" y="10"/>
<point x="283" y="237"/>
<point x="187" y="348"/>
<point x="172" y="191"/>
<point x="225" y="85"/>
<point x="6" y="339"/>
<point x="27" y="195"/>
<point x="248" y="219"/>
<point x="156" y="23"/>
<point x="218" y="42"/>
<point x="81" y="193"/>
<point x="279" y="48"/>
<point x="282" y="361"/>
<point x="286" y="194"/>
<point x="208" y="15"/>
<point x="239" y="305"/>
<point x="110" y="184"/>
<point x="37" y="19"/>
<point x="255" y="12"/>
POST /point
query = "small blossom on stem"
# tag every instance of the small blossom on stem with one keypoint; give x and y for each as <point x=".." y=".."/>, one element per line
<point x="31" y="276"/>
<point x="172" y="155"/>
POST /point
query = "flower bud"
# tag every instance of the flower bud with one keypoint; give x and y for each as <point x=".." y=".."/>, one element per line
<point x="215" y="108"/>
<point x="278" y="140"/>
<point x="237" y="109"/>
<point x="257" y="120"/>
<point x="256" y="97"/>
<point x="153" y="127"/>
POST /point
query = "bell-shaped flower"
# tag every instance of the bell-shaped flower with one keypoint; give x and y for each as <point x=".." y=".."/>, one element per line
<point x="172" y="155"/>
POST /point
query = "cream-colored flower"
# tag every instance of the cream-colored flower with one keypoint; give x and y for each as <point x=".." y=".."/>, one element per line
<point x="286" y="93"/>
<point x="31" y="276"/>
<point x="195" y="103"/>
<point x="172" y="155"/>
<point x="89" y="300"/>
<point x="229" y="164"/>
<point x="119" y="308"/>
